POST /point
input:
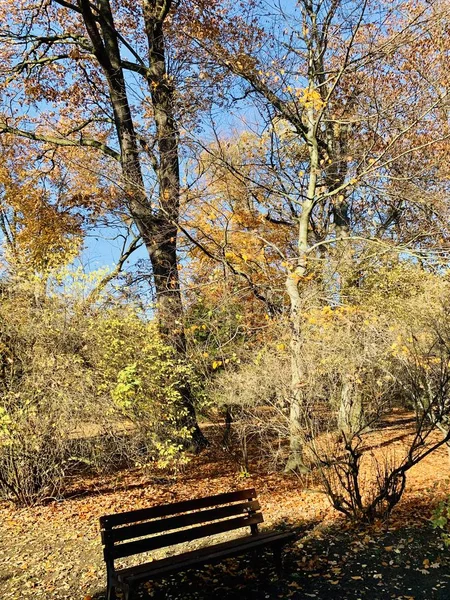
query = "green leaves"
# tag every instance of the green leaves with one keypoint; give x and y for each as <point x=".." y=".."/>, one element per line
<point x="441" y="520"/>
<point x="128" y="384"/>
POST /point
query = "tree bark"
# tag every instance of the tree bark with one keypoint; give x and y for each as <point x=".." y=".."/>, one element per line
<point x="295" y="461"/>
<point x="350" y="413"/>
<point x="158" y="228"/>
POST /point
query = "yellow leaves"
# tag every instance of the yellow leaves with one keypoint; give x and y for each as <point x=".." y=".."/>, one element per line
<point x="310" y="98"/>
<point x="47" y="232"/>
<point x="295" y="277"/>
<point x="399" y="349"/>
<point x="248" y="251"/>
<point x="298" y="275"/>
<point x="193" y="328"/>
<point x="327" y="316"/>
<point x="281" y="347"/>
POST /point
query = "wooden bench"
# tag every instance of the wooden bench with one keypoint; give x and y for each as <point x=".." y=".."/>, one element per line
<point x="170" y="524"/>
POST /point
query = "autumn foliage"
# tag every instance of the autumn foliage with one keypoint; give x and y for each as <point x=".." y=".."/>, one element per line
<point x="284" y="174"/>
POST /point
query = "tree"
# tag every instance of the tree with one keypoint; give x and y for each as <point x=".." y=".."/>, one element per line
<point x="362" y="90"/>
<point x="68" y="82"/>
<point x="40" y="229"/>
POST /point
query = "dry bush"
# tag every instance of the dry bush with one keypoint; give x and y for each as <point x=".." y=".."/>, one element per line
<point x="422" y="366"/>
<point x="256" y="396"/>
<point x="44" y="386"/>
<point x="357" y="362"/>
<point x="346" y="383"/>
<point x="359" y="482"/>
<point x="81" y="387"/>
<point x="345" y="366"/>
<point x="390" y="350"/>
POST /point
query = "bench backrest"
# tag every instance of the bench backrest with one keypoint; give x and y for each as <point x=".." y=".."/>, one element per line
<point x="171" y="524"/>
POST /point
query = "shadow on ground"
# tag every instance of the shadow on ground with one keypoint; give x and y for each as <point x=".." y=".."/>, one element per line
<point x="406" y="562"/>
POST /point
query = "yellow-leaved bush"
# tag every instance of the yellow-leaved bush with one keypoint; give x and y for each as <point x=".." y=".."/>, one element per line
<point x="82" y="387"/>
<point x="145" y="379"/>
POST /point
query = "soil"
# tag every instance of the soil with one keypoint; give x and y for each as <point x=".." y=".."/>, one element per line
<point x="54" y="551"/>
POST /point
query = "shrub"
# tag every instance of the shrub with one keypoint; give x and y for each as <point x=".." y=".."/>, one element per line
<point x="45" y="389"/>
<point x="256" y="397"/>
<point x="82" y="386"/>
<point x="144" y="378"/>
<point x="441" y="520"/>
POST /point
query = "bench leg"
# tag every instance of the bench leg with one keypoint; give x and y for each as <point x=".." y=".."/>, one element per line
<point x="278" y="558"/>
<point x="110" y="592"/>
<point x="126" y="592"/>
<point x="110" y="588"/>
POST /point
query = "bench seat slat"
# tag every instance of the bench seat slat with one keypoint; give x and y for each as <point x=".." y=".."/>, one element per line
<point x="143" y="514"/>
<point x="201" y="556"/>
<point x="157" y="526"/>
<point x="186" y="535"/>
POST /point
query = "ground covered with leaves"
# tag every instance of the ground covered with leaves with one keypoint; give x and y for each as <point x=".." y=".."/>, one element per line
<point x="54" y="552"/>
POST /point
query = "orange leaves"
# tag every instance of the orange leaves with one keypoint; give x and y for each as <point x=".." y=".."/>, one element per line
<point x="241" y="219"/>
<point x="41" y="234"/>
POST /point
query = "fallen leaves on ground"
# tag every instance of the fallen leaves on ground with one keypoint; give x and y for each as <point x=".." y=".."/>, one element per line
<point x="54" y="551"/>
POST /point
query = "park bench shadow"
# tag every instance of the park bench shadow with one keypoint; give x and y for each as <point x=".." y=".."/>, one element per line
<point x="250" y="576"/>
<point x="404" y="557"/>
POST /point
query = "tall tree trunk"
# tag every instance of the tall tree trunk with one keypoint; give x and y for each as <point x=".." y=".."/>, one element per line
<point x="157" y="227"/>
<point x="163" y="249"/>
<point x="294" y="280"/>
<point x="164" y="231"/>
<point x="295" y="460"/>
<point x="350" y="412"/>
